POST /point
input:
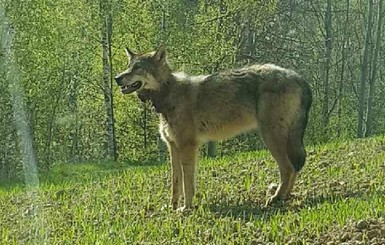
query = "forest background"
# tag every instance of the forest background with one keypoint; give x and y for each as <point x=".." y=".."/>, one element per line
<point x="58" y="60"/>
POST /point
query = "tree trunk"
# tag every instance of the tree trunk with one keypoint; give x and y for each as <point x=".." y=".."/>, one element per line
<point x="211" y="149"/>
<point x="328" y="52"/>
<point x="106" y="32"/>
<point x="161" y="144"/>
<point x="342" y="78"/>
<point x="51" y="125"/>
<point x="4" y="165"/>
<point x="369" y="109"/>
<point x="212" y="145"/>
<point x="364" y="71"/>
<point x="73" y="106"/>
<point x="111" y="118"/>
<point x="145" y="126"/>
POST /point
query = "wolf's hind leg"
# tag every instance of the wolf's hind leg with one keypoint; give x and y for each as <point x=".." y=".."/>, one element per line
<point x="276" y="140"/>
<point x="177" y="176"/>
<point x="293" y="178"/>
<point x="296" y="150"/>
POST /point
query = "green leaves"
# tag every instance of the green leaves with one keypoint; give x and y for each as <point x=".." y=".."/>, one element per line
<point x="57" y="48"/>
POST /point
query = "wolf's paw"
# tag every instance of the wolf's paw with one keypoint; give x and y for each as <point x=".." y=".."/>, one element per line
<point x="185" y="209"/>
<point x="273" y="200"/>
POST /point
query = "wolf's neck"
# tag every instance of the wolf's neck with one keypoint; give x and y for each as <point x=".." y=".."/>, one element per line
<point x="158" y="98"/>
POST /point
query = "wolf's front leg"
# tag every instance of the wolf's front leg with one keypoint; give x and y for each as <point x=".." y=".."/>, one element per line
<point x="177" y="176"/>
<point x="188" y="157"/>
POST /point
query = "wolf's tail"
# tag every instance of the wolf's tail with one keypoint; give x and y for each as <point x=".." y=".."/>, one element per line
<point x="295" y="147"/>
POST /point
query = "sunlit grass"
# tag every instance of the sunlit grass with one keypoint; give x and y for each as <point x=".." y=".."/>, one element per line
<point x="117" y="203"/>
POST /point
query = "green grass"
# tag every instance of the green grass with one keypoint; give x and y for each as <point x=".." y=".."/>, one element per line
<point x="120" y="204"/>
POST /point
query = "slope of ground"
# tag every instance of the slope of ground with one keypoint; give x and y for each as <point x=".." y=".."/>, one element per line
<point x="339" y="198"/>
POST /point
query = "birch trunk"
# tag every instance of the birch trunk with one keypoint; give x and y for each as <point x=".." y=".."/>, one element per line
<point x="369" y="109"/>
<point x="342" y="73"/>
<point x="328" y="51"/>
<point x="364" y="71"/>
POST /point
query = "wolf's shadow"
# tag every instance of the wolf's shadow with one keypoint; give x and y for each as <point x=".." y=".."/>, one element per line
<point x="257" y="209"/>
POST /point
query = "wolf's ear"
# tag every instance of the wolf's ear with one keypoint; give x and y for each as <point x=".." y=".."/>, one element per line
<point x="160" y="53"/>
<point x="130" y="54"/>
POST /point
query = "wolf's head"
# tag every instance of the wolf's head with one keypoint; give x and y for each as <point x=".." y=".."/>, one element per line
<point x="145" y="71"/>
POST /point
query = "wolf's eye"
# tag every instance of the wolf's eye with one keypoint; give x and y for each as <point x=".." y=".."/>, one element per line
<point x="136" y="66"/>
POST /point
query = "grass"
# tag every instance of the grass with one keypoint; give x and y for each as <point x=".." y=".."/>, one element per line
<point x="120" y="204"/>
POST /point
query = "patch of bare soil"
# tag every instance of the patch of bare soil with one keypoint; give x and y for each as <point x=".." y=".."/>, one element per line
<point x="371" y="231"/>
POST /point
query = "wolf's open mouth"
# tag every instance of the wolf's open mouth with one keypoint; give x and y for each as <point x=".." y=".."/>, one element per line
<point x="136" y="84"/>
<point x="126" y="89"/>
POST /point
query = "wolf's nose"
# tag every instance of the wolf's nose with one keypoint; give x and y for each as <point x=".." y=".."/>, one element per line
<point x="118" y="80"/>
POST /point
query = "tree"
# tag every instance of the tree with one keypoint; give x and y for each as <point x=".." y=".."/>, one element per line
<point x="106" y="33"/>
<point x="64" y="54"/>
<point x="373" y="75"/>
<point x="342" y="69"/>
<point x="328" y="55"/>
<point x="364" y="71"/>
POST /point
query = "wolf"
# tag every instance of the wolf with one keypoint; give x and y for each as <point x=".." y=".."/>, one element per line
<point x="197" y="109"/>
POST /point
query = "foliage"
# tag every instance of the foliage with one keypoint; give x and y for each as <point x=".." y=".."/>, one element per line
<point x="58" y="49"/>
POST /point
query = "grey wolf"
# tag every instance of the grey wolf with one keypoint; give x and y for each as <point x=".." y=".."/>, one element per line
<point x="196" y="109"/>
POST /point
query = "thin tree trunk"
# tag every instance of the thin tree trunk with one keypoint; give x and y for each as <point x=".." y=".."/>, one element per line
<point x="73" y="106"/>
<point x="107" y="86"/>
<point x="211" y="149"/>
<point x="212" y="145"/>
<point x="4" y="167"/>
<point x="364" y="71"/>
<point x="343" y="60"/>
<point x="111" y="118"/>
<point x="145" y="126"/>
<point x="51" y="125"/>
<point x="161" y="144"/>
<point x="369" y="109"/>
<point x="328" y="51"/>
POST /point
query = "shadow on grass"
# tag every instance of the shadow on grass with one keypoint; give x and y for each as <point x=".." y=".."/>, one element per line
<point x="247" y="209"/>
<point x="76" y="172"/>
<point x="258" y="210"/>
<point x="311" y="201"/>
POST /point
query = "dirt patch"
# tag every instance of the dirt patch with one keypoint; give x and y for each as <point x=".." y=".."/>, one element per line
<point x="370" y="231"/>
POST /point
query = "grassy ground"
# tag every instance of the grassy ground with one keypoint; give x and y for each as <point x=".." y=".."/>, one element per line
<point x="339" y="197"/>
